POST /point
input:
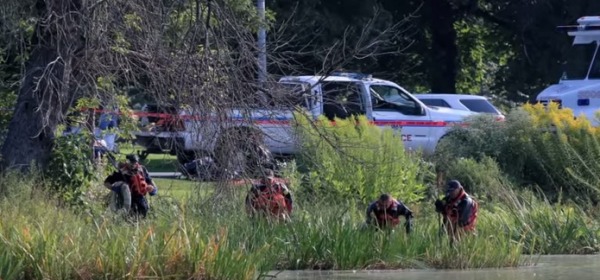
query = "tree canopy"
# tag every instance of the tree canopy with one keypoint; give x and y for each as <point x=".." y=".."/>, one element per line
<point x="53" y="52"/>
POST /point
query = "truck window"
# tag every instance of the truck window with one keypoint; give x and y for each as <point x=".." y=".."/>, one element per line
<point x="282" y="95"/>
<point x="389" y="98"/>
<point x="479" y="106"/>
<point x="294" y="95"/>
<point x="342" y="100"/>
<point x="435" y="102"/>
<point x="578" y="61"/>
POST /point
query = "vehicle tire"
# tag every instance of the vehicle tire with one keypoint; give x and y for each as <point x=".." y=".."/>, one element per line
<point x="121" y="200"/>
<point x="184" y="157"/>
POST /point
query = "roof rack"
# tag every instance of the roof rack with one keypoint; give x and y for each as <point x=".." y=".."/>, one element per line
<point x="352" y="75"/>
<point x="587" y="23"/>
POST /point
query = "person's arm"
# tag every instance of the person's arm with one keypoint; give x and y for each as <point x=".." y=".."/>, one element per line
<point x="403" y="210"/>
<point x="370" y="211"/>
<point x="150" y="182"/>
<point x="465" y="209"/>
<point x="288" y="197"/>
<point x="440" y="205"/>
<point x="284" y="189"/>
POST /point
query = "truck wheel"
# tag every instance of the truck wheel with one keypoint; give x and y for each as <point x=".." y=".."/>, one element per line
<point x="184" y="157"/>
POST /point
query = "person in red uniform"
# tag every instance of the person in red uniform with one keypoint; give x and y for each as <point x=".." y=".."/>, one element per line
<point x="269" y="197"/>
<point x="386" y="212"/>
<point x="458" y="209"/>
<point x="134" y="176"/>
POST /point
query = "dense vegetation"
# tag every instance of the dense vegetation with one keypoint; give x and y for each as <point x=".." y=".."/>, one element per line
<point x="535" y="174"/>
<point x="201" y="235"/>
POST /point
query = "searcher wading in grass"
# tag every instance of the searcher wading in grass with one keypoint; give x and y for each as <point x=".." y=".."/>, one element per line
<point x="458" y="211"/>
<point x="269" y="197"/>
<point x="386" y="211"/>
<point x="129" y="185"/>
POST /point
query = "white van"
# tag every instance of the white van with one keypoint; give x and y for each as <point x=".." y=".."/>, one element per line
<point x="339" y="95"/>
<point x="579" y="86"/>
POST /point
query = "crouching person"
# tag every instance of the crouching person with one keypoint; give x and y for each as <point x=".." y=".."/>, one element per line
<point x="131" y="183"/>
<point x="269" y="197"/>
<point x="458" y="210"/>
<point x="386" y="211"/>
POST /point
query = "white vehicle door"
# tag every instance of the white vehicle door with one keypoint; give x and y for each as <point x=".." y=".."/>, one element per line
<point x="342" y="100"/>
<point x="393" y="107"/>
<point x="275" y="119"/>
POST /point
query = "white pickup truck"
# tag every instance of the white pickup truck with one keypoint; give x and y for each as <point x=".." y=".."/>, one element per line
<point x="579" y="86"/>
<point x="340" y="95"/>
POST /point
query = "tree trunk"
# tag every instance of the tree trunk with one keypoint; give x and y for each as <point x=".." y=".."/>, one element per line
<point x="47" y="89"/>
<point x="443" y="58"/>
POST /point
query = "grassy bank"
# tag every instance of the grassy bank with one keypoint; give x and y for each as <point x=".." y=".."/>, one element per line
<point x="198" y="231"/>
<point x="201" y="238"/>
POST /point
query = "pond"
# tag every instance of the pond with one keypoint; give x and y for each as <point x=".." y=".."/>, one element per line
<point x="554" y="267"/>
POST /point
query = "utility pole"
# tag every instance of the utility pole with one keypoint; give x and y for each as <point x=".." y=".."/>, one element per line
<point x="262" y="43"/>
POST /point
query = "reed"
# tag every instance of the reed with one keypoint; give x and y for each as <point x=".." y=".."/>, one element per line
<point x="189" y="239"/>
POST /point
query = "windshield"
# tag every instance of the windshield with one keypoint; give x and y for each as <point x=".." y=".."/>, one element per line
<point x="384" y="97"/>
<point x="578" y="62"/>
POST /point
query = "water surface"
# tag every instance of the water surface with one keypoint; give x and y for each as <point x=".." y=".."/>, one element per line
<point x="555" y="267"/>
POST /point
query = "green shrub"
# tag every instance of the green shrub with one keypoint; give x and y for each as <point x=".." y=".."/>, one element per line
<point x="356" y="161"/>
<point x="534" y="147"/>
<point x="480" y="178"/>
<point x="71" y="170"/>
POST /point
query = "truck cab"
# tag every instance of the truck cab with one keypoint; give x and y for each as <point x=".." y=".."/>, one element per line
<point x="339" y="95"/>
<point x="384" y="103"/>
<point x="579" y="86"/>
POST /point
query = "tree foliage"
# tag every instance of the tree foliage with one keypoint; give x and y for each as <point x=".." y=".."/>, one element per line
<point x="202" y="52"/>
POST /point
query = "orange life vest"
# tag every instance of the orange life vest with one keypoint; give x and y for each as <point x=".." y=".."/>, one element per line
<point x="385" y="219"/>
<point x="272" y="201"/>
<point x="138" y="181"/>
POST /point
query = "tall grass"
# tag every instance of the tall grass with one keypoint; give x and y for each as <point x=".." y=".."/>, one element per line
<point x="543" y="227"/>
<point x="184" y="240"/>
<point x="196" y="237"/>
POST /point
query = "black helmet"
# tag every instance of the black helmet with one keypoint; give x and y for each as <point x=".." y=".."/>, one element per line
<point x="132" y="158"/>
<point x="453" y="185"/>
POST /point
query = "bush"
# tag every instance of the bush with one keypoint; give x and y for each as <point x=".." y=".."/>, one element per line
<point x="480" y="178"/>
<point x="535" y="146"/>
<point x="71" y="170"/>
<point x="354" y="160"/>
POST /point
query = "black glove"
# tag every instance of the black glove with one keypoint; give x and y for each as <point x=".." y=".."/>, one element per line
<point x="439" y="206"/>
<point x="408" y="226"/>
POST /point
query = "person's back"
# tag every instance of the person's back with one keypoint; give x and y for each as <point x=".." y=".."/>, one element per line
<point x="269" y="197"/>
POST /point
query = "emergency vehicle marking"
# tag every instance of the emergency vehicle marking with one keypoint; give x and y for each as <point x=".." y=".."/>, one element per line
<point x="394" y="124"/>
